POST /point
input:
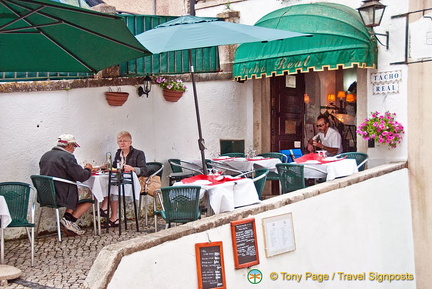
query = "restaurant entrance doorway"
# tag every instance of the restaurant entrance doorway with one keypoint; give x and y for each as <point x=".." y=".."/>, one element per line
<point x="287" y="115"/>
<point x="287" y="112"/>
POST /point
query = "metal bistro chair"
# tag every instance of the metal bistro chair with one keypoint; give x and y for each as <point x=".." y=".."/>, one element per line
<point x="180" y="204"/>
<point x="153" y="169"/>
<point x="259" y="180"/>
<point x="120" y="179"/>
<point x="291" y="177"/>
<point x="17" y="196"/>
<point x="275" y="155"/>
<point x="361" y="159"/>
<point x="227" y="170"/>
<point x="320" y="175"/>
<point x="273" y="176"/>
<point x="179" y="172"/>
<point x="47" y="197"/>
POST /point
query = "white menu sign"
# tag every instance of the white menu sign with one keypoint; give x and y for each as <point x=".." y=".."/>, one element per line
<point x="278" y="234"/>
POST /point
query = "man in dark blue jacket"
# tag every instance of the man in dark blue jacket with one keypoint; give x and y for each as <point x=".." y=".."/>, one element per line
<point x="60" y="162"/>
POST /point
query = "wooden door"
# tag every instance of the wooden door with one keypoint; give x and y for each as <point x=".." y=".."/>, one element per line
<point x="287" y="112"/>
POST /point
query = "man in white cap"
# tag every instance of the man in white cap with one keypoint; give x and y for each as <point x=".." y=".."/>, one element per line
<point x="60" y="162"/>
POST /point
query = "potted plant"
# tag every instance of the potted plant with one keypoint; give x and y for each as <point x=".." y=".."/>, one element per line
<point x="382" y="128"/>
<point x="172" y="89"/>
<point x="116" y="98"/>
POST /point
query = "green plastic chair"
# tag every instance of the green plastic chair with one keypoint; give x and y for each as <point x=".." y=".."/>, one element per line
<point x="259" y="180"/>
<point x="174" y="168"/>
<point x="275" y="155"/>
<point x="273" y="176"/>
<point x="233" y="155"/>
<point x="47" y="197"/>
<point x="291" y="177"/>
<point x="17" y="196"/>
<point x="361" y="159"/>
<point x="180" y="204"/>
<point x="177" y="171"/>
<point x="153" y="169"/>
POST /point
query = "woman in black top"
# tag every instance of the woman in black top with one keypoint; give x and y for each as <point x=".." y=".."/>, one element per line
<point x="129" y="159"/>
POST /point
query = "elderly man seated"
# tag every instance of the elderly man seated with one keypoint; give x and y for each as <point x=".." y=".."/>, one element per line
<point x="60" y="162"/>
<point x="327" y="138"/>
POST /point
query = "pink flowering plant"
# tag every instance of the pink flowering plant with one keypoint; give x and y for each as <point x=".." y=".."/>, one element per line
<point x="176" y="85"/>
<point x="383" y="128"/>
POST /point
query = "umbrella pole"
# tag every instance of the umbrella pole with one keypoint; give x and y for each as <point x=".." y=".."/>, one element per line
<point x="201" y="143"/>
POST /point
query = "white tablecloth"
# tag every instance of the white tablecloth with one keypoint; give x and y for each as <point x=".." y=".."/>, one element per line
<point x="99" y="186"/>
<point x="332" y="170"/>
<point x="246" y="165"/>
<point x="227" y="196"/>
<point x="4" y="213"/>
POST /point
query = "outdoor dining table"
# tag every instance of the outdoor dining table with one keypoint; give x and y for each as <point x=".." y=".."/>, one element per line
<point x="98" y="183"/>
<point x="329" y="168"/>
<point x="5" y="220"/>
<point x="249" y="164"/>
<point x="224" y="193"/>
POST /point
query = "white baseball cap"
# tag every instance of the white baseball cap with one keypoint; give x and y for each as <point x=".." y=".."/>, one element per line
<point x="65" y="139"/>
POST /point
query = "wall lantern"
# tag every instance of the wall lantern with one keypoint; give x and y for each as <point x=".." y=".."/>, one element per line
<point x="331" y="98"/>
<point x="146" y="88"/>
<point x="371" y="13"/>
<point x="351" y="98"/>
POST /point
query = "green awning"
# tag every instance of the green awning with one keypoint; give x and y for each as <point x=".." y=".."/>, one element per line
<point x="339" y="40"/>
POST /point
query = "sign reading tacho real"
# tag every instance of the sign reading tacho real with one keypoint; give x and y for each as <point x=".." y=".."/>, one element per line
<point x="386" y="82"/>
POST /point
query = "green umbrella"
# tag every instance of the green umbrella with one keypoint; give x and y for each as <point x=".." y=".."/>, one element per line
<point x="189" y="32"/>
<point x="40" y="35"/>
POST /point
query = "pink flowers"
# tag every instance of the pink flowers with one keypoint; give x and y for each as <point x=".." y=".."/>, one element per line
<point x="383" y="128"/>
<point x="177" y="85"/>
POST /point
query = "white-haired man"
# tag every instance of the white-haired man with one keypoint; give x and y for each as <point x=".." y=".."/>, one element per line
<point x="60" y="162"/>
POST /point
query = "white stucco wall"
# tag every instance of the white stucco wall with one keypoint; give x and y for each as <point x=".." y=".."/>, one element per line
<point x="393" y="102"/>
<point x="365" y="227"/>
<point x="31" y="122"/>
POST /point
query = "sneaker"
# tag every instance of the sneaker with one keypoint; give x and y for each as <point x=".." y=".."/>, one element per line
<point x="71" y="226"/>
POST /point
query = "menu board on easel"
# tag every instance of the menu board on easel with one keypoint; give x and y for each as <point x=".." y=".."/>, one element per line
<point x="278" y="234"/>
<point x="245" y="247"/>
<point x="210" y="265"/>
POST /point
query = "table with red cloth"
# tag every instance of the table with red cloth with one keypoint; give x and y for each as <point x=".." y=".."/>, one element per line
<point x="224" y="193"/>
<point x="249" y="164"/>
<point x="328" y="168"/>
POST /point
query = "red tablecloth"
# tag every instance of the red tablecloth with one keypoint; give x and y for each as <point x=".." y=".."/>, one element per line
<point x="223" y="159"/>
<point x="315" y="157"/>
<point x="214" y="180"/>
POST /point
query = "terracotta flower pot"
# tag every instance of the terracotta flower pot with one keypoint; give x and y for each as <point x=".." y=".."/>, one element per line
<point x="116" y="98"/>
<point x="172" y="95"/>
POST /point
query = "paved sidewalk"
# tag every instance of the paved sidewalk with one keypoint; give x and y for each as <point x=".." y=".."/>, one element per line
<point x="63" y="264"/>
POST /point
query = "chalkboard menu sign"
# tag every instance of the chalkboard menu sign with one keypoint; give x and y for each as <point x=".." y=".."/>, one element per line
<point x="210" y="265"/>
<point x="244" y="241"/>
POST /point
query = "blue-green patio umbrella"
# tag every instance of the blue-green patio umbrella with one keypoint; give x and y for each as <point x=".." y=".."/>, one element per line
<point x="44" y="36"/>
<point x="190" y="32"/>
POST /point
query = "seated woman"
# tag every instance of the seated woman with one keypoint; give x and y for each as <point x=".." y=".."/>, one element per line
<point x="129" y="159"/>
